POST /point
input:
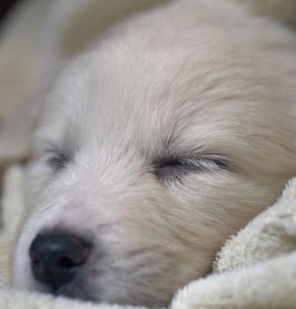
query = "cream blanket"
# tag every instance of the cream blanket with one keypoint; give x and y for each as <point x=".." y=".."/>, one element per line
<point x="255" y="269"/>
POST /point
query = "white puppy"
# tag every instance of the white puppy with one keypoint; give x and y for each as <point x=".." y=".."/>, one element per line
<point x="153" y="148"/>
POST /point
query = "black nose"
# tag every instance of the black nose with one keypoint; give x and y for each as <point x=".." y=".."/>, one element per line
<point x="57" y="258"/>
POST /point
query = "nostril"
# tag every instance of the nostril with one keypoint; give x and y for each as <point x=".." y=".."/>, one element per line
<point x="66" y="262"/>
<point x="57" y="258"/>
<point x="34" y="259"/>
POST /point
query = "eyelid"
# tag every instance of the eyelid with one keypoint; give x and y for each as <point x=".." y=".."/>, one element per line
<point x="178" y="168"/>
<point x="193" y="160"/>
<point x="209" y="161"/>
<point x="53" y="152"/>
<point x="56" y="159"/>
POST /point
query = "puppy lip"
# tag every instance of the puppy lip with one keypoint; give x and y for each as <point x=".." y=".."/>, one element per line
<point x="81" y="292"/>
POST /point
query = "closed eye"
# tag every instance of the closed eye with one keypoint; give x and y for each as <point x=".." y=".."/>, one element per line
<point x="57" y="160"/>
<point x="178" y="168"/>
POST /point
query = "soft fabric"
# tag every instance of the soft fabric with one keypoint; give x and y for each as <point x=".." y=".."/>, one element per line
<point x="255" y="269"/>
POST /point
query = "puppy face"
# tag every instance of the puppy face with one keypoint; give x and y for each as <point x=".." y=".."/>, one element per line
<point x="152" y="149"/>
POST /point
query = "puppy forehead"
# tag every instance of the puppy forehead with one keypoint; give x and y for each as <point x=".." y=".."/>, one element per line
<point x="151" y="91"/>
<point x="146" y="95"/>
<point x="120" y="109"/>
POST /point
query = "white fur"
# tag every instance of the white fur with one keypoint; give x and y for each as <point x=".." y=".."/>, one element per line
<point x="190" y="78"/>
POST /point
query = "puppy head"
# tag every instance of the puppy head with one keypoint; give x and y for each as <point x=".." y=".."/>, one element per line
<point x="149" y="155"/>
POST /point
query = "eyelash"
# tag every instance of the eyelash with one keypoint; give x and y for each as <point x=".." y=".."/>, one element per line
<point x="177" y="169"/>
<point x="168" y="170"/>
<point x="57" y="160"/>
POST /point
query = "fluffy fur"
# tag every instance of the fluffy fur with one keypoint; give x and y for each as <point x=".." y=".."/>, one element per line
<point x="194" y="79"/>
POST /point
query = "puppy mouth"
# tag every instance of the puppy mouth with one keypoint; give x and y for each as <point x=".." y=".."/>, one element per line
<point x="68" y="265"/>
<point x="78" y="289"/>
<point x="99" y="279"/>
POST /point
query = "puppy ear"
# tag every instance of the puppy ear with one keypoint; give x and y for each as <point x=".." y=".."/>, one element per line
<point x="16" y="134"/>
